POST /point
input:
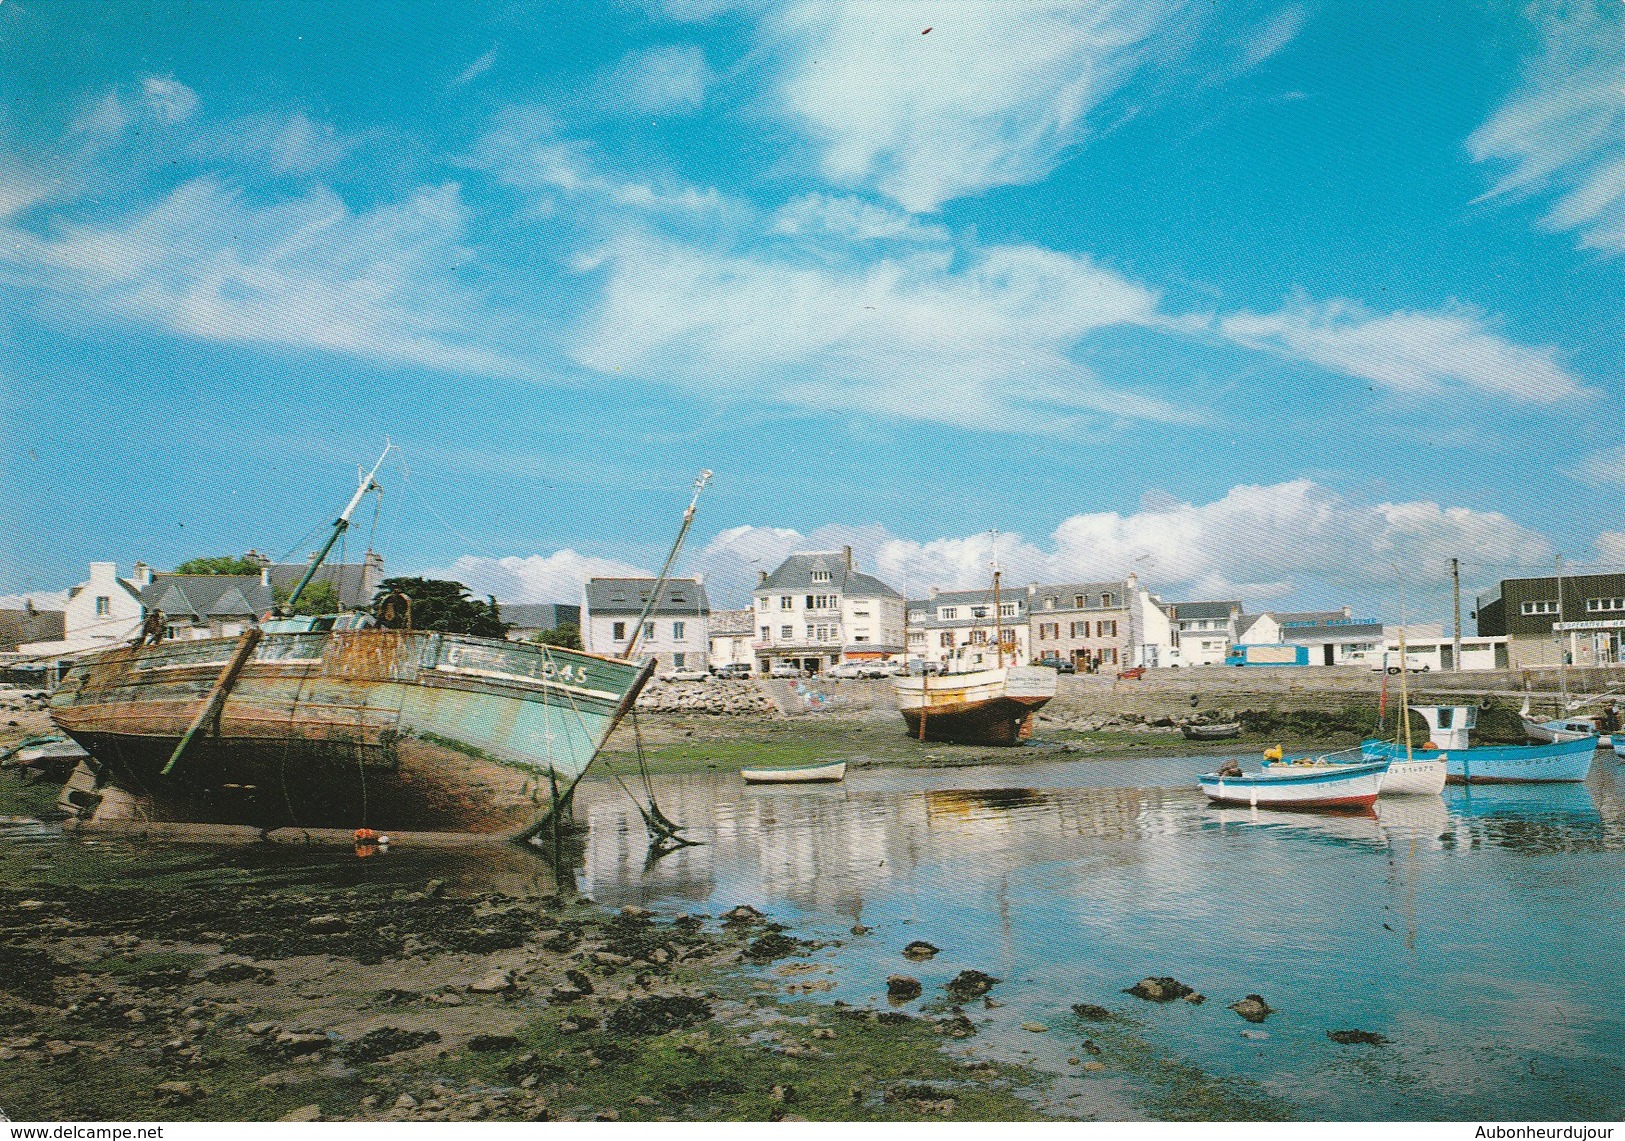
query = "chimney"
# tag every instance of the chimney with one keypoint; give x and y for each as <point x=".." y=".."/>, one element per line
<point x="141" y="574"/>
<point x="847" y="551"/>
<point x="265" y="576"/>
<point x="933" y="592"/>
<point x="761" y="577"/>
<point x="1032" y="589"/>
<point x="1348" y="612"/>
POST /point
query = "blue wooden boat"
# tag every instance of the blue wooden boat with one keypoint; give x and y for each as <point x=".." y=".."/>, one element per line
<point x="1449" y="727"/>
<point x="1335" y="787"/>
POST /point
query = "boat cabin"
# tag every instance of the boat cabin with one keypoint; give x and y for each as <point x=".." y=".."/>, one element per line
<point x="1449" y="725"/>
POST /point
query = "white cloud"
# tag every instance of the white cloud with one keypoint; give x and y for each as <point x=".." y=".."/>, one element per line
<point x="168" y="99"/>
<point x="41" y="600"/>
<point x="558" y="577"/>
<point x="304" y="271"/>
<point x="1283" y="545"/>
<point x="1276" y="33"/>
<point x="992" y="96"/>
<point x="979" y="344"/>
<point x="1417" y="353"/>
<point x="853" y="219"/>
<point x="1562" y="131"/>
<point x="1602" y="468"/>
<point x="669" y="80"/>
<point x="476" y="69"/>
<point x="1611" y="548"/>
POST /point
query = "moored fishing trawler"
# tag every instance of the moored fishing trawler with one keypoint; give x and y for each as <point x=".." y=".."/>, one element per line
<point x="977" y="702"/>
<point x="1449" y="730"/>
<point x="334" y="721"/>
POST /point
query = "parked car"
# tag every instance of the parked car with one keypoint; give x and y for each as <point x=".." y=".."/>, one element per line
<point x="1133" y="673"/>
<point x="1415" y="663"/>
<point x="685" y="675"/>
<point x="924" y="669"/>
<point x="1059" y="665"/>
<point x="732" y="670"/>
<point x="784" y="669"/>
<point x="885" y="669"/>
<point x="849" y="670"/>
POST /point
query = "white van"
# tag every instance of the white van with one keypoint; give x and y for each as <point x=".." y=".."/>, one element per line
<point x="1415" y="663"/>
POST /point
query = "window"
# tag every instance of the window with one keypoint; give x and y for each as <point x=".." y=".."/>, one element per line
<point x="104" y="606"/>
<point x="860" y="637"/>
<point x="1080" y="630"/>
<point x="1049" y="631"/>
<point x="1049" y="602"/>
<point x="860" y="614"/>
<point x="1107" y="599"/>
<point x="1109" y="656"/>
<point x="648" y="629"/>
<point x="1007" y="639"/>
<point x="677" y="660"/>
<point x="1598" y="605"/>
<point x="978" y="637"/>
<point x="978" y="612"/>
<point x="787" y="602"/>
<point x="1008" y="609"/>
<point x="761" y="603"/>
<point x="916" y="637"/>
<point x="820" y="576"/>
<point x="947" y="613"/>
<point x="823" y="601"/>
<point x="618" y="631"/>
<point x="946" y="639"/>
<point x="787" y="633"/>
<point x="767" y="633"/>
<point x="1107" y="629"/>
<point x="1544" y="607"/>
<point x="1079" y="601"/>
<point x="678" y="629"/>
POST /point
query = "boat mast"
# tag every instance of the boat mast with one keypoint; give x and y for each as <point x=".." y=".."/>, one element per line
<point x="1562" y="663"/>
<point x="671" y="557"/>
<point x="998" y="620"/>
<point x="1404" y="674"/>
<point x="340" y="525"/>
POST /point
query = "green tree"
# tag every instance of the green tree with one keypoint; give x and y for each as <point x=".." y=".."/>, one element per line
<point x="566" y="634"/>
<point x="320" y="597"/>
<point x="441" y="605"/>
<point x="220" y="564"/>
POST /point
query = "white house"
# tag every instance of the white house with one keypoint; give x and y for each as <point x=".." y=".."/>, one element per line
<point x="1202" y="632"/>
<point x="733" y="637"/>
<point x="104" y="610"/>
<point x="676" y="632"/>
<point x="817" y="609"/>
<point x="966" y="625"/>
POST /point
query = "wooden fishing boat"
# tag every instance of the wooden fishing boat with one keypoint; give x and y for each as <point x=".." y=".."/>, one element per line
<point x="1312" y="786"/>
<point x="984" y="707"/>
<point x="1449" y="730"/>
<point x="1211" y="732"/>
<point x="333" y="722"/>
<point x="1405" y="777"/>
<point x="803" y="774"/>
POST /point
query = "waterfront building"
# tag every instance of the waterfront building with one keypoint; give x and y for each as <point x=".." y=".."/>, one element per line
<point x="102" y="611"/>
<point x="733" y="637"/>
<point x="207" y="605"/>
<point x="1087" y="623"/>
<point x="940" y="624"/>
<point x="1578" y="620"/>
<point x="817" y="609"/>
<point x="355" y="584"/>
<point x="1203" y="632"/>
<point x="1333" y="637"/>
<point x="675" y="633"/>
<point x="527" y="619"/>
<point x="30" y="624"/>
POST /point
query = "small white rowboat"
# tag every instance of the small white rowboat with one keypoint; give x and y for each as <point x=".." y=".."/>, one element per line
<point x="1311" y="786"/>
<point x="806" y="774"/>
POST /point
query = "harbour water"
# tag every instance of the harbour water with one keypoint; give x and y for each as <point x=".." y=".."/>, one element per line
<point x="1479" y="932"/>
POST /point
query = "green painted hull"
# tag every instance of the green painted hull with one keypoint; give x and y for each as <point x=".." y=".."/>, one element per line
<point x="365" y="728"/>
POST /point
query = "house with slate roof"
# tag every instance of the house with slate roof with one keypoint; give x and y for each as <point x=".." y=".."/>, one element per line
<point x="527" y="619"/>
<point x="103" y="611"/>
<point x="1203" y="631"/>
<point x="30" y="624"/>
<point x="356" y="584"/>
<point x="733" y="637"/>
<point x="948" y="620"/>
<point x="207" y="605"/>
<point x="817" y="610"/>
<point x="676" y="632"/>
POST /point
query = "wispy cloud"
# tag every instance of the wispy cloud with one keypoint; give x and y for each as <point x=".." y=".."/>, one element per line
<point x="207" y="262"/>
<point x="981" y="345"/>
<point x="558" y="577"/>
<point x="667" y="80"/>
<point x="1605" y="468"/>
<point x="1279" y="30"/>
<point x="1416" y="353"/>
<point x="168" y="98"/>
<point x="853" y="219"/>
<point x="476" y="69"/>
<point x="992" y="96"/>
<point x="1562" y="131"/>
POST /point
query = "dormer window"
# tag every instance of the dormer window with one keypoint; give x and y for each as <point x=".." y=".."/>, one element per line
<point x="1078" y="601"/>
<point x="820" y="576"/>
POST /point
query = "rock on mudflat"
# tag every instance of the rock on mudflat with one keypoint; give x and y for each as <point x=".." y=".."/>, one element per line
<point x="1161" y="989"/>
<point x="967" y="985"/>
<point x="1253" y="1008"/>
<point x="920" y="950"/>
<point x="1356" y="1038"/>
<point x="902" y="988"/>
<point x="1093" y="1013"/>
<point x="494" y="983"/>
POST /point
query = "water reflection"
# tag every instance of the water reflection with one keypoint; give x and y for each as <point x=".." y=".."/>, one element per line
<point x="1461" y="926"/>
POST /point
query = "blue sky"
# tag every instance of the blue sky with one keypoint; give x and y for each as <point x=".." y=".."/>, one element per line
<point x="1264" y="301"/>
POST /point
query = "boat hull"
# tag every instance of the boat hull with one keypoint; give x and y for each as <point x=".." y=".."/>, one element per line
<point x="400" y="730"/>
<point x="1210" y="732"/>
<point x="1347" y="788"/>
<point x="1553" y="732"/>
<point x="1415" y="778"/>
<point x="1559" y="762"/>
<point x="988" y="707"/>
<point x="807" y="774"/>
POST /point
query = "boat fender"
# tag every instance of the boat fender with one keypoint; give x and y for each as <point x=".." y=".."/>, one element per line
<point x="365" y="836"/>
<point x="1430" y="746"/>
<point x="1274" y="753"/>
